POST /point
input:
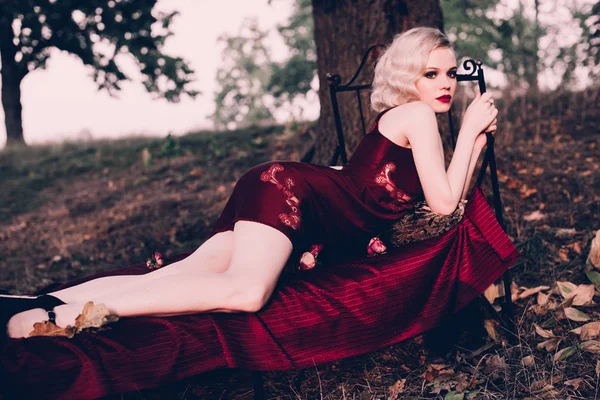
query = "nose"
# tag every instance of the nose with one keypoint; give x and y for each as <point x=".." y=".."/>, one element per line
<point x="445" y="82"/>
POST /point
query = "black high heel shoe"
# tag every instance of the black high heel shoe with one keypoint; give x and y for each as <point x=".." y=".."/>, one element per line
<point x="12" y="304"/>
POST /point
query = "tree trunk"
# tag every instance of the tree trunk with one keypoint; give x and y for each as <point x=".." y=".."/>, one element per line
<point x="344" y="29"/>
<point x="11" y="88"/>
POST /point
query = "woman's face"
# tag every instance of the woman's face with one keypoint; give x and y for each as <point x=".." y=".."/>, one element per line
<point x="437" y="85"/>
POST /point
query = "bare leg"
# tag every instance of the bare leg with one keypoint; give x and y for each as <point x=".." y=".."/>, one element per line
<point x="214" y="255"/>
<point x="259" y="255"/>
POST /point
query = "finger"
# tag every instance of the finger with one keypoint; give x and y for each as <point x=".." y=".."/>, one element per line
<point x="477" y="93"/>
<point x="486" y="96"/>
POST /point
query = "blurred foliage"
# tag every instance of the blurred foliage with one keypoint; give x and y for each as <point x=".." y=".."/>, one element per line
<point x="293" y="77"/>
<point x="98" y="32"/>
<point x="251" y="85"/>
<point x="595" y="33"/>
<point x="170" y="147"/>
<point x="242" y="78"/>
<point x="525" y="38"/>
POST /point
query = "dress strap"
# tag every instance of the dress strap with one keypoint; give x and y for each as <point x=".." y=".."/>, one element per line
<point x="377" y="118"/>
<point x="383" y="112"/>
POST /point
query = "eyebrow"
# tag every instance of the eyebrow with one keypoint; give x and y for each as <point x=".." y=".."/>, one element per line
<point x="438" y="68"/>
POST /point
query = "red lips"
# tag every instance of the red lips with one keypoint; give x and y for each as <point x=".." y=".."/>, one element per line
<point x="445" y="98"/>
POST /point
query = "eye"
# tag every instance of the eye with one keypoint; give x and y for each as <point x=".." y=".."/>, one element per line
<point x="430" y="74"/>
<point x="452" y="74"/>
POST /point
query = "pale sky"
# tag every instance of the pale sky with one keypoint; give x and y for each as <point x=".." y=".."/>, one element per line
<point x="62" y="100"/>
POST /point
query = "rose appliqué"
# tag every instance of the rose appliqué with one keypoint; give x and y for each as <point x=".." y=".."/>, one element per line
<point x="376" y="247"/>
<point x="398" y="196"/>
<point x="309" y="258"/>
<point x="291" y="219"/>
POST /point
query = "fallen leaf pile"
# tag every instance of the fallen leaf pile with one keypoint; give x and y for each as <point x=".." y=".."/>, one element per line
<point x="92" y="317"/>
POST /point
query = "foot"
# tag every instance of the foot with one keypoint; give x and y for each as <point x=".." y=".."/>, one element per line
<point x="21" y="324"/>
<point x="11" y="305"/>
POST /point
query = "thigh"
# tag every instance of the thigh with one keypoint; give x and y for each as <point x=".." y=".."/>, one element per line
<point x="260" y="253"/>
<point x="214" y="255"/>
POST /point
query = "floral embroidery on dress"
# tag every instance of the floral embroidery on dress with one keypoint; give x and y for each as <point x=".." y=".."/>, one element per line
<point x="383" y="179"/>
<point x="375" y="247"/>
<point x="291" y="219"/>
<point x="309" y="258"/>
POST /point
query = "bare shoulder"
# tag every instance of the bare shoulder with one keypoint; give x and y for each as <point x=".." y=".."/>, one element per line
<point x="399" y="122"/>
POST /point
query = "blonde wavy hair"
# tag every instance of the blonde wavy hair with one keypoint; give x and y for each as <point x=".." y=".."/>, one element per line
<point x="401" y="64"/>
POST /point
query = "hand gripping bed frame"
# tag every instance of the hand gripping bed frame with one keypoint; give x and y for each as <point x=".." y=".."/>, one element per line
<point x="329" y="313"/>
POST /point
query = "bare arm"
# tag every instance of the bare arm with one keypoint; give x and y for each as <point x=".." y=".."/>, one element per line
<point x="442" y="189"/>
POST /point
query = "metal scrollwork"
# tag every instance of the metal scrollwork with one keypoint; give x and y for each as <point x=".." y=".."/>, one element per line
<point x="472" y="66"/>
<point x="362" y="63"/>
<point x="334" y="79"/>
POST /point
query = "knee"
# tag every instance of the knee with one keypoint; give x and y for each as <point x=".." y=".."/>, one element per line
<point x="252" y="298"/>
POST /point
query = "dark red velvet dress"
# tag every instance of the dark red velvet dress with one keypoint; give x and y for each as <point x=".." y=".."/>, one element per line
<point x="342" y="309"/>
<point x="340" y="210"/>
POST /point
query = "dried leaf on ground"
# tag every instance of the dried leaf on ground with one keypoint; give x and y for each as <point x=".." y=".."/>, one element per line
<point x="549" y="345"/>
<point x="594" y="277"/>
<point x="587" y="331"/>
<point x="396" y="389"/>
<point x="591" y="346"/>
<point x="547" y="334"/>
<point x="564" y="288"/>
<point x="537" y="171"/>
<point x="492" y="293"/>
<point x="575" y="315"/>
<point x="576" y="247"/>
<point x="532" y="291"/>
<point x="495" y="366"/>
<point x="527" y="361"/>
<point x="542" y="298"/>
<point x="454" y="396"/>
<point x="490" y="326"/>
<point x="563" y="254"/>
<point x="527" y="192"/>
<point x="565" y="353"/>
<point x="594" y="256"/>
<point x="433" y="371"/>
<point x="582" y="296"/>
<point x="543" y="389"/>
<point x="574" y="382"/>
<point x="563" y="233"/>
<point x="534" y="216"/>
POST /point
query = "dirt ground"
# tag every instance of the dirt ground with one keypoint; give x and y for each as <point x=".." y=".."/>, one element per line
<point x="71" y="210"/>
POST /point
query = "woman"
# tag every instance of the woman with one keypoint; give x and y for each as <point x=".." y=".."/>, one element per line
<point x="282" y="207"/>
